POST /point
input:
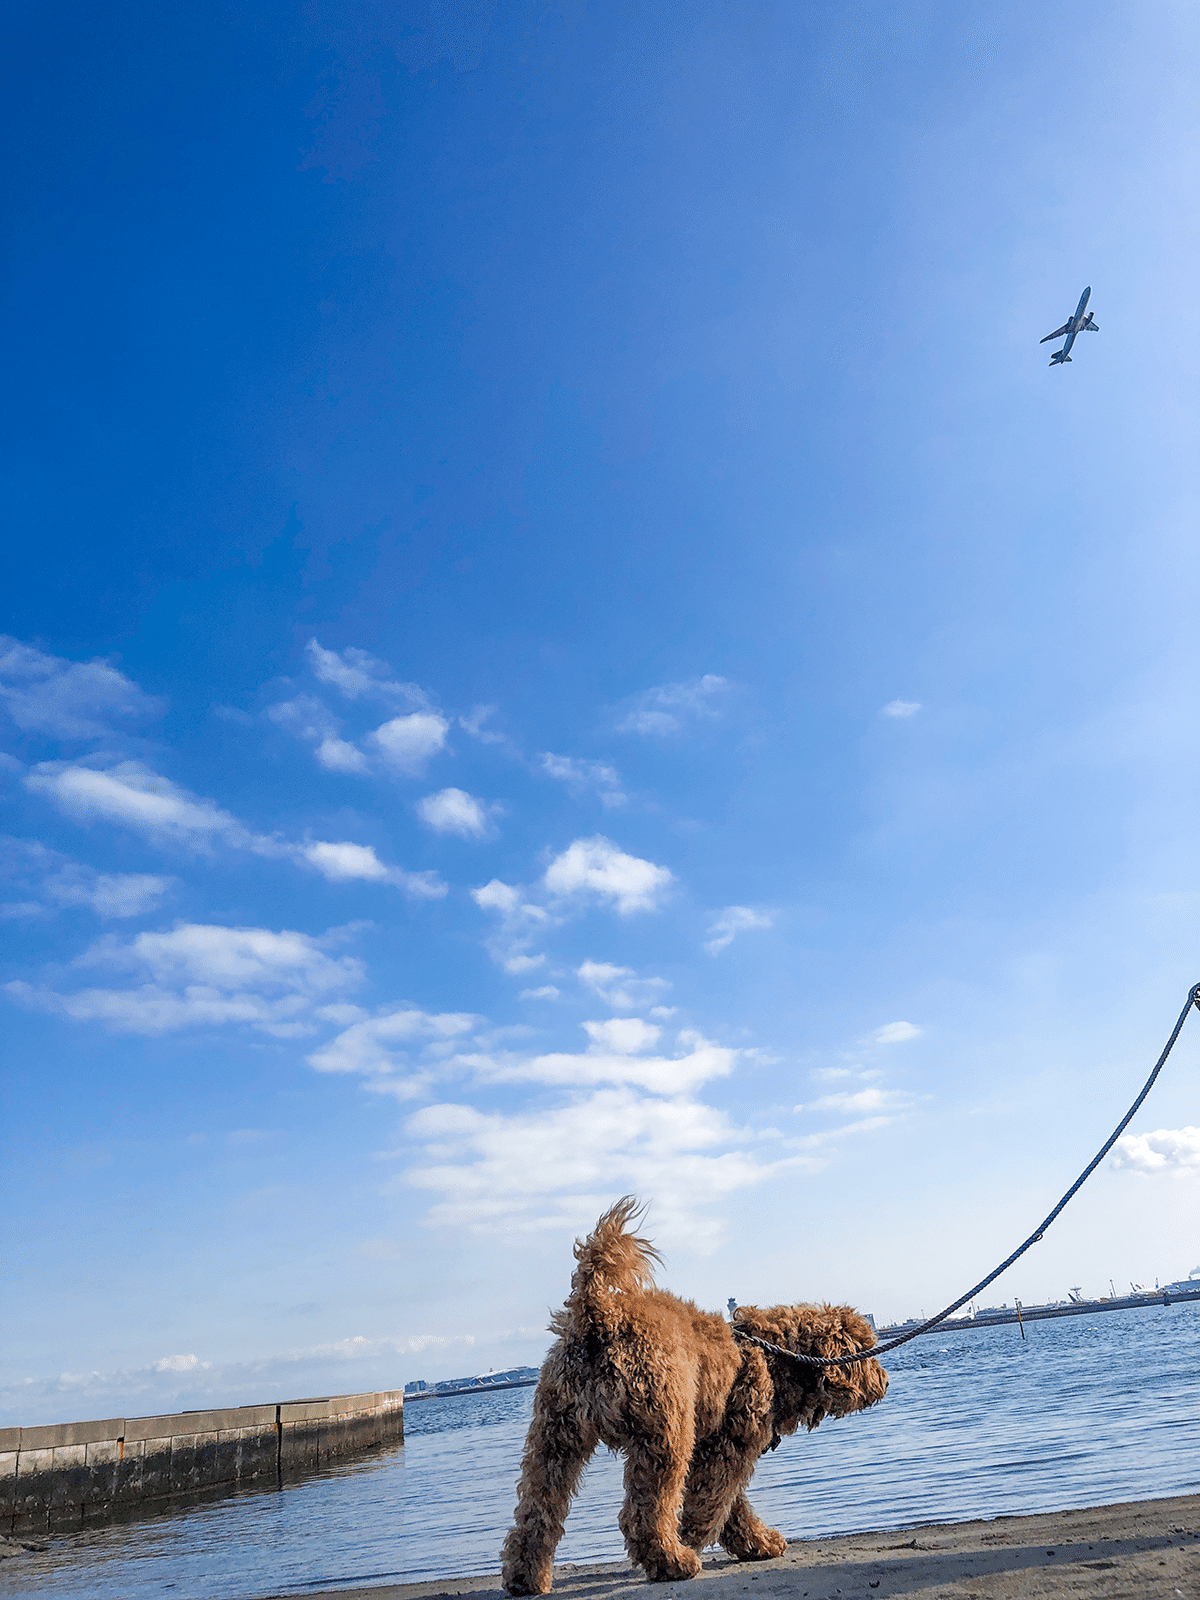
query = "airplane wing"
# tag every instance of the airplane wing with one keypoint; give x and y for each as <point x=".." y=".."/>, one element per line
<point x="1057" y="334"/>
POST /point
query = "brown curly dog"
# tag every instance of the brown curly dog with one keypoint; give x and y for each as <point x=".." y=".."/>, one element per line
<point x="648" y="1374"/>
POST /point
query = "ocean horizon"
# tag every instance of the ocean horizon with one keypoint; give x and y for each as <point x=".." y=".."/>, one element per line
<point x="1080" y="1412"/>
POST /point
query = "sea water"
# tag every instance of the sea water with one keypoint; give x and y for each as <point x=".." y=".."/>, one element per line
<point x="1082" y="1411"/>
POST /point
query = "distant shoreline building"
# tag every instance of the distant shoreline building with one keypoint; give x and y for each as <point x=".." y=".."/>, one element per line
<point x="1073" y="1306"/>
<point x="511" y="1378"/>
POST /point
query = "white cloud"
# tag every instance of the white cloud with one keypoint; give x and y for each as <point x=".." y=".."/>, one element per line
<point x="1164" y="1150"/>
<point x="12" y="909"/>
<point x="588" y="868"/>
<point x="381" y="1048"/>
<point x="598" y="868"/>
<point x="356" y="674"/>
<point x="132" y="795"/>
<point x="609" y="1060"/>
<point x="180" y="1364"/>
<point x="519" y="920"/>
<point x="474" y="725"/>
<point x="861" y="1101"/>
<point x="339" y="755"/>
<point x="619" y="987"/>
<point x="558" y="1168"/>
<point x="666" y="708"/>
<point x="827" y="1136"/>
<point x="204" y="975"/>
<point x="345" y="862"/>
<point x="497" y="896"/>
<point x="732" y="921"/>
<point x="900" y="708"/>
<point x="109" y="894"/>
<point x="407" y="743"/>
<point x="455" y="811"/>
<point x="232" y="958"/>
<point x="341" y="862"/>
<point x="71" y="699"/>
<point x="152" y="1010"/>
<point x="304" y="716"/>
<point x="897" y="1033"/>
<point x="63" y="882"/>
<point x="515" y="958"/>
<point x="548" y="991"/>
<point x="311" y="722"/>
<point x="581" y="775"/>
<point x="627" y="1036"/>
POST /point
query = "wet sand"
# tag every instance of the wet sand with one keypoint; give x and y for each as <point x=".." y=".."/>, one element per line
<point x="1142" y="1549"/>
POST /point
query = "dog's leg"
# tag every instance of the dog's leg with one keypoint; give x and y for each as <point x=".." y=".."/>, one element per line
<point x="715" y="1508"/>
<point x="747" y="1537"/>
<point x="557" y="1448"/>
<point x="720" y="1471"/>
<point x="655" y="1473"/>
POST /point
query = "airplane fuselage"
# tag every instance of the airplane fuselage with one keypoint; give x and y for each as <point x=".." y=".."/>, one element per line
<point x="1074" y="325"/>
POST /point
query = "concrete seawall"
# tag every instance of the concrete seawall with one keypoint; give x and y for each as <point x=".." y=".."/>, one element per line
<point x="73" y="1473"/>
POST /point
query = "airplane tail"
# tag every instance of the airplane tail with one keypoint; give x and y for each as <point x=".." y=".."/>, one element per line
<point x="1057" y="360"/>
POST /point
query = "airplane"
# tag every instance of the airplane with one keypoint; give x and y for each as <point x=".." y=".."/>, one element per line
<point x="1073" y="325"/>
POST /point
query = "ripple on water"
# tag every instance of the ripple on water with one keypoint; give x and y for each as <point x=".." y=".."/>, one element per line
<point x="1084" y="1411"/>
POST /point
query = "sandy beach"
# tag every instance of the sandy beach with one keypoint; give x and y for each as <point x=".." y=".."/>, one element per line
<point x="1144" y="1549"/>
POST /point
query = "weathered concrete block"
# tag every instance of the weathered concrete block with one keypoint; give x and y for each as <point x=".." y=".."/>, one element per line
<point x="102" y="1459"/>
<point x="299" y="1446"/>
<point x="156" y="1467"/>
<point x="68" y="1433"/>
<point x="59" y="1475"/>
<point x="254" y="1452"/>
<point x="183" y="1462"/>
<point x="193" y="1461"/>
<point x="69" y="1476"/>
<point x="151" y="1428"/>
<point x="127" y="1479"/>
<point x="344" y="1404"/>
<point x="103" y="1451"/>
<point x="333" y="1437"/>
<point x="35" y="1480"/>
<point x="8" y="1487"/>
<point x="224" y="1421"/>
<point x="305" y="1411"/>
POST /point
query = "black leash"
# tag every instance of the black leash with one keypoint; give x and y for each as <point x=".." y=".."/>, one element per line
<point x="1193" y="999"/>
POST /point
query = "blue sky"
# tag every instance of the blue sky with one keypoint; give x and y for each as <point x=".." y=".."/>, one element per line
<point x="562" y="638"/>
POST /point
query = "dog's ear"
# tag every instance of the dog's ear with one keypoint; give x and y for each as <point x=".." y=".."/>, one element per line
<point x="859" y="1329"/>
<point x="840" y="1331"/>
<point x="763" y="1321"/>
<point x="807" y="1394"/>
<point x="782" y="1325"/>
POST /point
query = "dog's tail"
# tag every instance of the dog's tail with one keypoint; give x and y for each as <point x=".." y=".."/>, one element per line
<point x="611" y="1259"/>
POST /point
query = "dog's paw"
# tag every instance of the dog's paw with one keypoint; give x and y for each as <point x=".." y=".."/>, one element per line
<point x="770" y="1544"/>
<point x="765" y="1545"/>
<point x="671" y="1569"/>
<point x="518" y="1583"/>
